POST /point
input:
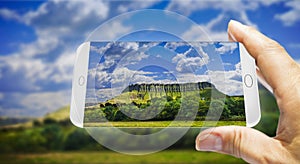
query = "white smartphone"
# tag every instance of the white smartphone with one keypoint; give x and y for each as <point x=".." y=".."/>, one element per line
<point x="160" y="84"/>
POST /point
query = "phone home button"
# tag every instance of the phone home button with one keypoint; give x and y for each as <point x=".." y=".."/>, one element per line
<point x="81" y="80"/>
<point x="248" y="80"/>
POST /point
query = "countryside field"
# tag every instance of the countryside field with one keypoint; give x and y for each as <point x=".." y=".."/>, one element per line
<point x="157" y="105"/>
<point x="138" y="124"/>
<point x="108" y="157"/>
<point x="53" y="139"/>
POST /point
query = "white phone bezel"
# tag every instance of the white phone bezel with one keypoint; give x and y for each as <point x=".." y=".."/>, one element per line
<point x="251" y="96"/>
<point x="250" y="88"/>
<point x="79" y="84"/>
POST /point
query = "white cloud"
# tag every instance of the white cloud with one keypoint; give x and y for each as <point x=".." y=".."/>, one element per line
<point x="30" y="71"/>
<point x="294" y="45"/>
<point x="269" y="2"/>
<point x="238" y="68"/>
<point x="132" y="58"/>
<point x="40" y="69"/>
<point x="292" y="16"/>
<point x="120" y="54"/>
<point x="50" y="58"/>
<point x="23" y="70"/>
<point x="42" y="46"/>
<point x="45" y="101"/>
<point x="53" y="9"/>
<point x="184" y="63"/>
<point x="97" y="7"/>
<point x="191" y="78"/>
<point x="113" y="31"/>
<point x="102" y="77"/>
<point x="129" y="45"/>
<point x="216" y="28"/>
<point x="187" y="7"/>
<point x="225" y="83"/>
<point x="101" y="50"/>
<point x="228" y="82"/>
<point x="106" y="94"/>
<point x="226" y="47"/>
<point x="202" y="33"/>
<point x="187" y="63"/>
<point x="9" y="14"/>
<point x="124" y="75"/>
<point x="148" y="45"/>
<point x="174" y="45"/>
<point x="63" y="67"/>
<point x="37" y="104"/>
<point x="210" y="31"/>
<point x="1" y="96"/>
<point x="134" y="5"/>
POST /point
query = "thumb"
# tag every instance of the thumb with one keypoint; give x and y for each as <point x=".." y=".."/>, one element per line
<point x="242" y="142"/>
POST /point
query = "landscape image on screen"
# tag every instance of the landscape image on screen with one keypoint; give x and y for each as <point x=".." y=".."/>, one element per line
<point x="160" y="84"/>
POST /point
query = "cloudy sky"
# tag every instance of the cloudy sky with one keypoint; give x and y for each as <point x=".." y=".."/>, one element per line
<point x="39" y="39"/>
<point x="115" y="65"/>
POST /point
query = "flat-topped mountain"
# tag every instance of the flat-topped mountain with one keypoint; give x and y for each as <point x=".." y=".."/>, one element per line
<point x="175" y="87"/>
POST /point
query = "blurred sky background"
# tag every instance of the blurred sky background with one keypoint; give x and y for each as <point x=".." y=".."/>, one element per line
<point x="39" y="39"/>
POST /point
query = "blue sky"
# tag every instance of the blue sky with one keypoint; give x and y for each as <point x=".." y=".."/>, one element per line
<point x="39" y="39"/>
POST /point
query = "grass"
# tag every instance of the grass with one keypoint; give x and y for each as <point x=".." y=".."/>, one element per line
<point x="165" y="123"/>
<point x="108" y="157"/>
<point x="60" y="114"/>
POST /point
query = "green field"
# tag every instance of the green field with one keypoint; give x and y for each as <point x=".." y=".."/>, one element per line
<point x="140" y="102"/>
<point x="107" y="157"/>
<point x="165" y="123"/>
<point x="53" y="139"/>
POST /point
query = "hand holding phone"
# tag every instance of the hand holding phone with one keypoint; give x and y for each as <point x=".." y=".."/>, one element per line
<point x="282" y="73"/>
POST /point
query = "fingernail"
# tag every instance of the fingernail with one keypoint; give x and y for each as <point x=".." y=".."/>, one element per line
<point x="232" y="37"/>
<point x="209" y="142"/>
<point x="237" y="26"/>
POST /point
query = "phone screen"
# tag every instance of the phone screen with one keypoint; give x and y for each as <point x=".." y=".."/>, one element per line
<point x="161" y="84"/>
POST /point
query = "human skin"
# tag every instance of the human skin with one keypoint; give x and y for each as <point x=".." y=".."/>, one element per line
<point x="282" y="73"/>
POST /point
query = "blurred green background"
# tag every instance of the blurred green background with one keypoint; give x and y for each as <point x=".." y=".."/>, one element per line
<point x="53" y="139"/>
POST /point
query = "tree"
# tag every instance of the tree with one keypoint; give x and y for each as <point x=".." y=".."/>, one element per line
<point x="202" y="109"/>
<point x="216" y="109"/>
<point x="96" y="115"/>
<point x="54" y="137"/>
<point x="109" y="111"/>
<point x="78" y="139"/>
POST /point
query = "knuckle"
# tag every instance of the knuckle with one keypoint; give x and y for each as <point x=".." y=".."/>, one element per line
<point x="236" y="145"/>
<point x="233" y="143"/>
<point x="251" y="29"/>
<point x="272" y="46"/>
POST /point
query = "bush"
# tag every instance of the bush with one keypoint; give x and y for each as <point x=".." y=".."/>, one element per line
<point x="49" y="121"/>
<point x="77" y="140"/>
<point x="37" y="123"/>
<point x="54" y="137"/>
<point x="94" y="116"/>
